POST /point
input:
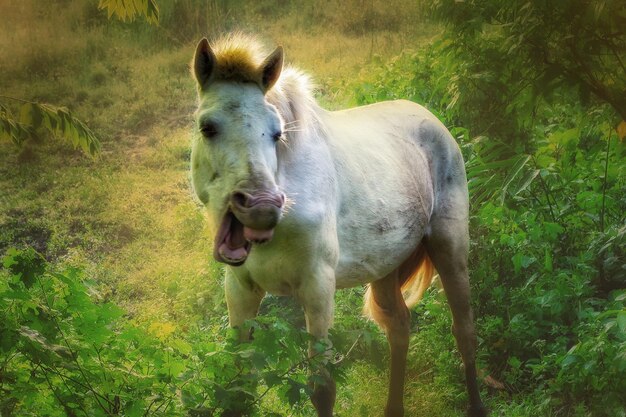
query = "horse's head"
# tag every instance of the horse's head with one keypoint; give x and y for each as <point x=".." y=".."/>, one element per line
<point x="233" y="159"/>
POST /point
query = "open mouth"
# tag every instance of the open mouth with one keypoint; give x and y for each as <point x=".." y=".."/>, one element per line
<point x="233" y="241"/>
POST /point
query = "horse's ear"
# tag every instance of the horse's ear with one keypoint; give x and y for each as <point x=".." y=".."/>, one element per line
<point x="203" y="63"/>
<point x="270" y="69"/>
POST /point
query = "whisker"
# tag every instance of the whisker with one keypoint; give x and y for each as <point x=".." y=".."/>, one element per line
<point x="289" y="203"/>
<point x="291" y="124"/>
<point x="284" y="141"/>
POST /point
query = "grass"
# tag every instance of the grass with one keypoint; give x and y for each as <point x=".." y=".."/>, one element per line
<point x="129" y="216"/>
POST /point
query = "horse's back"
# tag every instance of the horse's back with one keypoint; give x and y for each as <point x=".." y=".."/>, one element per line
<point x="394" y="162"/>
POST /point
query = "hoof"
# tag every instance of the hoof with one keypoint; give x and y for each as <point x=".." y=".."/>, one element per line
<point x="478" y="410"/>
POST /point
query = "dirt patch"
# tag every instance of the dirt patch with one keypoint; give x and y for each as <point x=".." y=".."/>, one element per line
<point x="21" y="229"/>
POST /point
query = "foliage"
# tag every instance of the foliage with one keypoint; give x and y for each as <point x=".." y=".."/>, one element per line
<point x="507" y="61"/>
<point x="544" y="320"/>
<point x="37" y="118"/>
<point x="531" y="48"/>
<point x="547" y="181"/>
<point x="79" y="356"/>
<point x="128" y="10"/>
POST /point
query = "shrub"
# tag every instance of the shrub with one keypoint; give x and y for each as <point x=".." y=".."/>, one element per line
<point x="64" y="352"/>
<point x="547" y="215"/>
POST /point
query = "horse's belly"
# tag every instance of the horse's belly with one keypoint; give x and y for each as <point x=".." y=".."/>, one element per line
<point x="366" y="245"/>
<point x="375" y="249"/>
<point x="275" y="274"/>
<point x="386" y="197"/>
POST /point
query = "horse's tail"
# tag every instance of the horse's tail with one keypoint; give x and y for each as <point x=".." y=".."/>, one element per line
<point x="418" y="281"/>
<point x="416" y="275"/>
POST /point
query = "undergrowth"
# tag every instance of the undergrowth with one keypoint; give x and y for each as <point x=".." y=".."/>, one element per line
<point x="547" y="239"/>
<point x="67" y="352"/>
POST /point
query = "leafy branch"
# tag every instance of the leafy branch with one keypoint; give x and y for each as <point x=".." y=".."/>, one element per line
<point x="308" y="362"/>
<point x="84" y="358"/>
<point x="33" y="119"/>
<point x="128" y="10"/>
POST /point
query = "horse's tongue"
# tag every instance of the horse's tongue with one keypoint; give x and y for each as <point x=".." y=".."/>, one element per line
<point x="233" y="254"/>
<point x="255" y="235"/>
<point x="234" y="245"/>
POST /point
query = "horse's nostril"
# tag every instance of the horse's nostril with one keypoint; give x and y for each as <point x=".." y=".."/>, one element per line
<point x="240" y="199"/>
<point x="243" y="200"/>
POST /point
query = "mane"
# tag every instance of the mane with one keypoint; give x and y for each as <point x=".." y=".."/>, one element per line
<point x="238" y="58"/>
<point x="293" y="96"/>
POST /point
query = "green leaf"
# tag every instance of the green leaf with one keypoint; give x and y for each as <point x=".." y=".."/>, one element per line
<point x="621" y="321"/>
<point x="272" y="378"/>
<point x="26" y="264"/>
<point x="55" y="120"/>
<point x="26" y="114"/>
<point x="526" y="181"/>
<point x="547" y="263"/>
<point x="569" y="359"/>
<point x="552" y="230"/>
<point x="564" y="137"/>
<point x="521" y="261"/>
<point x="128" y="10"/>
<point x="514" y="172"/>
<point x="13" y="130"/>
<point x="37" y="339"/>
<point x="181" y="346"/>
<point x="294" y="393"/>
<point x="8" y="339"/>
<point x="135" y="409"/>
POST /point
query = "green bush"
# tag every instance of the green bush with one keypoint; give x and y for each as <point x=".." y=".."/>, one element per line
<point x="65" y="352"/>
<point x="547" y="236"/>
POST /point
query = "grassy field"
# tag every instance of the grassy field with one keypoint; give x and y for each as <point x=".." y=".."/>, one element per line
<point x="128" y="216"/>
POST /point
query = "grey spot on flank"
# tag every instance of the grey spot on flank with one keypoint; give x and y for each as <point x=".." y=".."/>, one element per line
<point x="382" y="226"/>
<point x="232" y="106"/>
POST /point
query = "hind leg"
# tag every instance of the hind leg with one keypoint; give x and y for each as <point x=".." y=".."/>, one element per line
<point x="388" y="309"/>
<point x="448" y="246"/>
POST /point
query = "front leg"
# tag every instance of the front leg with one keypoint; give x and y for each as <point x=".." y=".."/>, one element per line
<point x="243" y="298"/>
<point x="317" y="296"/>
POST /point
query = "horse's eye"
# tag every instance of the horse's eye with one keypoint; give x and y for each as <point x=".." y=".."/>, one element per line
<point x="277" y="135"/>
<point x="209" y="130"/>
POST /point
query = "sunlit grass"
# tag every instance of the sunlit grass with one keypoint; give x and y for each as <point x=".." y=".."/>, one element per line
<point x="166" y="268"/>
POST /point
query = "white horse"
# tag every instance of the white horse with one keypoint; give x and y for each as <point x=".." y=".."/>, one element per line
<point x="305" y="201"/>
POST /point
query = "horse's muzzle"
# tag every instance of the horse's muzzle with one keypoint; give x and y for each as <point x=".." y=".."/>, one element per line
<point x="250" y="218"/>
<point x="259" y="212"/>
